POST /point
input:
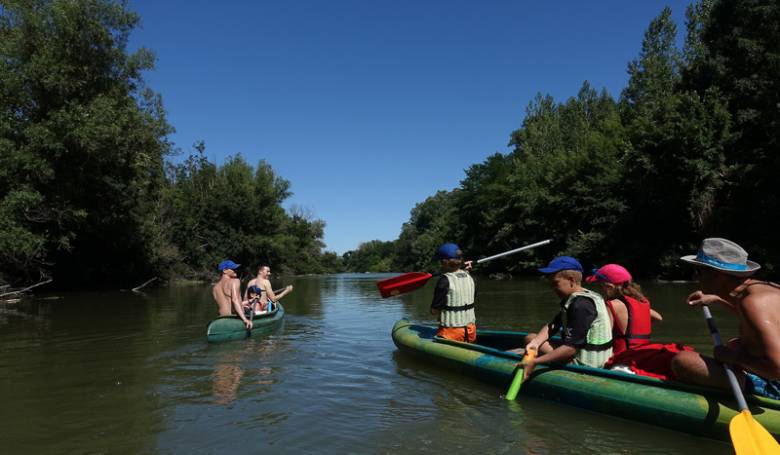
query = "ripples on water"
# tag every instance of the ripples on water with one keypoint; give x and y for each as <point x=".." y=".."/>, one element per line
<point x="126" y="373"/>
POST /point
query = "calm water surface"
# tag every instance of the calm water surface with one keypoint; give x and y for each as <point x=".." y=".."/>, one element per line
<point x="132" y="373"/>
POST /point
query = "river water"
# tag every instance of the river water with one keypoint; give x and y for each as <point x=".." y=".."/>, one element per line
<point x="119" y="372"/>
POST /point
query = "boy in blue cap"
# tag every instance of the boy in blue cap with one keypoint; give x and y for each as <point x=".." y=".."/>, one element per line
<point x="227" y="292"/>
<point x="453" y="297"/>
<point x="583" y="321"/>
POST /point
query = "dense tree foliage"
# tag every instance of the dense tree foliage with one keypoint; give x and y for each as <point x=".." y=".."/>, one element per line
<point x="85" y="191"/>
<point x="688" y="151"/>
<point x="82" y="143"/>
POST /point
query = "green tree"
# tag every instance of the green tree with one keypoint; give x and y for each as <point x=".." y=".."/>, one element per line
<point x="738" y="59"/>
<point x="235" y="210"/>
<point x="82" y="142"/>
<point x="372" y="256"/>
<point x="432" y="222"/>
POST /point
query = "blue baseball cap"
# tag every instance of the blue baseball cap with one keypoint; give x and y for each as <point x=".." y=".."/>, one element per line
<point x="562" y="263"/>
<point x="253" y="290"/>
<point x="228" y="264"/>
<point x="448" y="251"/>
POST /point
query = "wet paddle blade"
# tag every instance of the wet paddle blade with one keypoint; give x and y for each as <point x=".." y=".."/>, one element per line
<point x="517" y="381"/>
<point x="750" y="438"/>
<point x="402" y="283"/>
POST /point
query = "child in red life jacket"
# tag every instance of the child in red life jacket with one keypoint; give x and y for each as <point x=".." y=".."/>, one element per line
<point x="632" y="318"/>
<point x="629" y="309"/>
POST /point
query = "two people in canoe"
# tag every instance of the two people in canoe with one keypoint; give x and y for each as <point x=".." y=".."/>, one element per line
<point x="609" y="331"/>
<point x="724" y="274"/>
<point x="583" y="321"/>
<point x="453" y="296"/>
<point x="262" y="283"/>
<point x="227" y="292"/>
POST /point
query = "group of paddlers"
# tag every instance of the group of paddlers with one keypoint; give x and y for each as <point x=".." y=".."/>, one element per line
<point x="612" y="329"/>
<point x="258" y="297"/>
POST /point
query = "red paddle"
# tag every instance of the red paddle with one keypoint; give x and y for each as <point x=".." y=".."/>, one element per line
<point x="414" y="280"/>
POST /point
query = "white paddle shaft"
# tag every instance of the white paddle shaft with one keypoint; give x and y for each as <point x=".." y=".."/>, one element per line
<point x="516" y="250"/>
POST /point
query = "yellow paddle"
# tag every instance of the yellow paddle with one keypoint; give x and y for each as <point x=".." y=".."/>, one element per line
<point x="747" y="435"/>
<point x="517" y="381"/>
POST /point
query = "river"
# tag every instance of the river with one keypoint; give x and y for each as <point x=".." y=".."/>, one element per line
<point x="119" y="372"/>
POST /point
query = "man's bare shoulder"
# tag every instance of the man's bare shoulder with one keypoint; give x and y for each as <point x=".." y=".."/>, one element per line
<point x="761" y="297"/>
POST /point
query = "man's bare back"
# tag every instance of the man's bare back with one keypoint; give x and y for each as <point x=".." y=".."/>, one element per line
<point x="227" y="292"/>
<point x="757" y="304"/>
<point x="223" y="295"/>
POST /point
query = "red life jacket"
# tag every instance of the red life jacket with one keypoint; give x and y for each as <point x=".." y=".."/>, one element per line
<point x="638" y="329"/>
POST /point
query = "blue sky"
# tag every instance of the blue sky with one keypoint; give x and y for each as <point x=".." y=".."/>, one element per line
<point x="368" y="107"/>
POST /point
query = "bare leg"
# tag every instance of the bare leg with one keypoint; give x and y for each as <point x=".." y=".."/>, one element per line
<point x="695" y="368"/>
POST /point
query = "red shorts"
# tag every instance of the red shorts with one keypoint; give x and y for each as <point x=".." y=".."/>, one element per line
<point x="467" y="334"/>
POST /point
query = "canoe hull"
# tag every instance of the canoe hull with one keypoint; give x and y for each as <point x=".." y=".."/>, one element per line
<point x="695" y="410"/>
<point x="229" y="328"/>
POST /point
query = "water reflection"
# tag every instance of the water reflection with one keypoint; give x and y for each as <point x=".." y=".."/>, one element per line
<point x="226" y="378"/>
<point x="120" y="372"/>
<point x="307" y="295"/>
<point x="236" y="360"/>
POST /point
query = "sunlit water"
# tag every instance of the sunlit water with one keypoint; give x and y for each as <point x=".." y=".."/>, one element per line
<point x="132" y="373"/>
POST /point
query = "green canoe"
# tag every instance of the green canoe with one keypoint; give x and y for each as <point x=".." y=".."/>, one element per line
<point x="696" y="410"/>
<point x="226" y="328"/>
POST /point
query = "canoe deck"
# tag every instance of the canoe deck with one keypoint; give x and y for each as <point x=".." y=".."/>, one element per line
<point x="682" y="407"/>
<point x="228" y="328"/>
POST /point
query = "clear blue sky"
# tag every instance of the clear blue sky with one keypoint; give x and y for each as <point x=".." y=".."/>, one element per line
<point x="368" y="107"/>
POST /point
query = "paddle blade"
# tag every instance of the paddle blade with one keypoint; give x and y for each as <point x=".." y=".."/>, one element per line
<point x="402" y="283"/>
<point x="749" y="437"/>
<point x="517" y="381"/>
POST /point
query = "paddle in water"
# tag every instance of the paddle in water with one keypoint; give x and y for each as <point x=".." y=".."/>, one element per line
<point x="414" y="280"/>
<point x="517" y="381"/>
<point x="747" y="435"/>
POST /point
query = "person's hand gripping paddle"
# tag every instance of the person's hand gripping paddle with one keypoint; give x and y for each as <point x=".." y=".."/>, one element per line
<point x="747" y="435"/>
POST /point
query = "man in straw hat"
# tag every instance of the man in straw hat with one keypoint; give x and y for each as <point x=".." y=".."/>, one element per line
<point x="724" y="271"/>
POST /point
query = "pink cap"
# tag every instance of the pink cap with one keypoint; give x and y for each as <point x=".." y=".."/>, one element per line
<point x="610" y="273"/>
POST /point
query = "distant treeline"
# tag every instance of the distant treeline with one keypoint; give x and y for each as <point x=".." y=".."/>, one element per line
<point x="87" y="194"/>
<point x="689" y="150"/>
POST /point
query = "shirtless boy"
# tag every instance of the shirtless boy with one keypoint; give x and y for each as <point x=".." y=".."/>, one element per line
<point x="227" y="292"/>
<point x="724" y="276"/>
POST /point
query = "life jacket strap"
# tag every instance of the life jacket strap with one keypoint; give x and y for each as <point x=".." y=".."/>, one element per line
<point x="597" y="347"/>
<point x="458" y="308"/>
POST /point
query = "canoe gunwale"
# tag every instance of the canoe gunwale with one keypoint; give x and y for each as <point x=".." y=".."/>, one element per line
<point x="613" y="374"/>
<point x="670" y="404"/>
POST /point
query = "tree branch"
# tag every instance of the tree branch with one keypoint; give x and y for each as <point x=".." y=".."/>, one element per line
<point x="28" y="287"/>
<point x="136" y="289"/>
